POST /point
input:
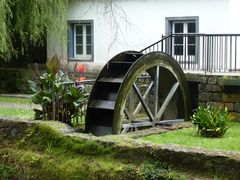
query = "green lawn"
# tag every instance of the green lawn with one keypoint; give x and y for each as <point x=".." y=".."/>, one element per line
<point x="14" y="100"/>
<point x="15" y="108"/>
<point x="17" y="113"/>
<point x="188" y="137"/>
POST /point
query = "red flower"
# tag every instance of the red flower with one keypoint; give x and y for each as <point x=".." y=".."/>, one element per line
<point x="81" y="68"/>
<point x="81" y="78"/>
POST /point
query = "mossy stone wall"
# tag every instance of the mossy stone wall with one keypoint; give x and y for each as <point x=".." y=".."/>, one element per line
<point x="218" y="91"/>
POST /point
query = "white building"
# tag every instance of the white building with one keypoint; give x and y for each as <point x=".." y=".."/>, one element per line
<point x="98" y="30"/>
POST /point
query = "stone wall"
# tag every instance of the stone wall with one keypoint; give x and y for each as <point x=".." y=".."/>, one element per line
<point x="218" y="91"/>
<point x="13" y="128"/>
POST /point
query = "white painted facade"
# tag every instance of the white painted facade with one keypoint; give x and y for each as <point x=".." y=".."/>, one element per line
<point x="136" y="24"/>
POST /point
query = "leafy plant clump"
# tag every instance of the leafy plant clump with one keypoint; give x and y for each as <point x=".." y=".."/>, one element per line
<point x="211" y="121"/>
<point x="56" y="94"/>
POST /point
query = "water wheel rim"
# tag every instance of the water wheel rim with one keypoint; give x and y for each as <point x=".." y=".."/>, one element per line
<point x="142" y="64"/>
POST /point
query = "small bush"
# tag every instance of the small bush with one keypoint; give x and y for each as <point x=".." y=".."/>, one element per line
<point x="210" y="121"/>
<point x="57" y="95"/>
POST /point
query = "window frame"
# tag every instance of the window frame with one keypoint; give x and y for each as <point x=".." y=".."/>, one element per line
<point x="185" y="41"/>
<point x="169" y="21"/>
<point x="72" y="55"/>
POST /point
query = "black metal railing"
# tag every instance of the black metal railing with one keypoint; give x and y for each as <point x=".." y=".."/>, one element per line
<point x="209" y="53"/>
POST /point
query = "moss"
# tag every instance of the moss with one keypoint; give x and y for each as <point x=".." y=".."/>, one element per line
<point x="26" y="164"/>
<point x="157" y="170"/>
<point x="88" y="147"/>
<point x="34" y="165"/>
<point x="41" y="136"/>
<point x="45" y="138"/>
<point x="7" y="171"/>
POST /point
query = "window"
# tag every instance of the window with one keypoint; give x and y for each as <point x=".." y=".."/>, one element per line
<point x="81" y="41"/>
<point x="183" y="44"/>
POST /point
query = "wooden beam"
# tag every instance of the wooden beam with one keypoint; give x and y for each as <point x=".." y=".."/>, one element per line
<point x="144" y="97"/>
<point x="156" y="89"/>
<point x="170" y="121"/>
<point x="135" y="125"/>
<point x="127" y="113"/>
<point x="142" y="100"/>
<point x="166" y="101"/>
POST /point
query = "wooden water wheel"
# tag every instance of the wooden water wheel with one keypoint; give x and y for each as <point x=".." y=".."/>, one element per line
<point x="135" y="91"/>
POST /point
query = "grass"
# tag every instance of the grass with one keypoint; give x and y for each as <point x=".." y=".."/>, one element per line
<point x="188" y="137"/>
<point x="14" y="110"/>
<point x="17" y="113"/>
<point x="14" y="100"/>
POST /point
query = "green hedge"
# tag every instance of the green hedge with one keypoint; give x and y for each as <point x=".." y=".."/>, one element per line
<point x="13" y="80"/>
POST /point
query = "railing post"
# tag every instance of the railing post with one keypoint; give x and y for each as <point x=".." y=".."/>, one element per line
<point x="207" y="53"/>
<point x="235" y="52"/>
<point x="230" y="53"/>
<point x="171" y="45"/>
<point x="162" y="44"/>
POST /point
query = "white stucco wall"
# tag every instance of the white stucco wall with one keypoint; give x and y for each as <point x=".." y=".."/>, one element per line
<point x="146" y="21"/>
<point x="55" y="47"/>
<point x="234" y="15"/>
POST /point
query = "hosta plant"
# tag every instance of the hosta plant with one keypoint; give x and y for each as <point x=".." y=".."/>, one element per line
<point x="211" y="121"/>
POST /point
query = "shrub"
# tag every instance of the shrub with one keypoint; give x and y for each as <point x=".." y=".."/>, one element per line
<point x="56" y="94"/>
<point x="211" y="121"/>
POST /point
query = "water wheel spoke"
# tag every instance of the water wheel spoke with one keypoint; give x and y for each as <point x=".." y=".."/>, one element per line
<point x="167" y="100"/>
<point x="126" y="112"/>
<point x="142" y="100"/>
<point x="125" y="129"/>
<point x="156" y="90"/>
<point x="139" y="106"/>
<point x="135" y="128"/>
